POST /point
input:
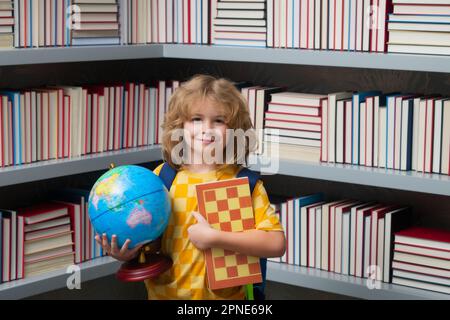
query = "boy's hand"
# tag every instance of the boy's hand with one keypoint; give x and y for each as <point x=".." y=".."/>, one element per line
<point x="113" y="250"/>
<point x="201" y="234"/>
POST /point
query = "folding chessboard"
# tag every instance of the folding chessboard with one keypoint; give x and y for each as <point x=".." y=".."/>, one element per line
<point x="227" y="206"/>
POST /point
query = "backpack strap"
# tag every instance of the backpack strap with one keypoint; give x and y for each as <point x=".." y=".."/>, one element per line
<point x="252" y="176"/>
<point x="258" y="288"/>
<point x="167" y="175"/>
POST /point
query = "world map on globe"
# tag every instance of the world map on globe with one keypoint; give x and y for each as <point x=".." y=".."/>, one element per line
<point x="130" y="202"/>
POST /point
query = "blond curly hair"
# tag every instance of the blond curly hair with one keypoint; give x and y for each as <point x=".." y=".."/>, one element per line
<point x="223" y="93"/>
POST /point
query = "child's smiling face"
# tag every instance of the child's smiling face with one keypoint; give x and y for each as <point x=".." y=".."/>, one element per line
<point x="206" y="125"/>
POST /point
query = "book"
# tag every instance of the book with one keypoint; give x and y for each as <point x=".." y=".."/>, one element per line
<point x="227" y="206"/>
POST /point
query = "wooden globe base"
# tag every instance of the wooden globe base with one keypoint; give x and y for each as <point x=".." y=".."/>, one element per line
<point x="135" y="271"/>
<point x="148" y="265"/>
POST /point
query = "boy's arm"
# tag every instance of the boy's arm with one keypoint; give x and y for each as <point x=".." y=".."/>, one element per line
<point x="254" y="243"/>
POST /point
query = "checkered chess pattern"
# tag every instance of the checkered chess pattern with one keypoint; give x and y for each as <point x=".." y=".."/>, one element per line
<point x="229" y="265"/>
<point x="187" y="278"/>
<point x="234" y="214"/>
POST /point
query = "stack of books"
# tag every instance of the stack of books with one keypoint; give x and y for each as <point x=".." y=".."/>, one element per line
<point x="351" y="25"/>
<point x="48" y="236"/>
<point x="422" y="259"/>
<point x="44" y="239"/>
<point x="6" y="24"/>
<point x="239" y="23"/>
<point x="95" y="22"/>
<point x="294" y="118"/>
<point x="420" y="26"/>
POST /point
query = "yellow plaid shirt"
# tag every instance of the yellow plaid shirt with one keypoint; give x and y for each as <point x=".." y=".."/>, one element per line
<point x="187" y="278"/>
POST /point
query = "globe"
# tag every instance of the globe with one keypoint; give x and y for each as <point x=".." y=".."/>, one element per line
<point x="130" y="202"/>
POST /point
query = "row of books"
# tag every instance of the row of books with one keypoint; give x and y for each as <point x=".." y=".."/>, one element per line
<point x="46" y="237"/>
<point x="62" y="122"/>
<point x="351" y="25"/>
<point x="363" y="239"/>
<point x="165" y="21"/>
<point x="421" y="26"/>
<point x="393" y="131"/>
<point x="345" y="236"/>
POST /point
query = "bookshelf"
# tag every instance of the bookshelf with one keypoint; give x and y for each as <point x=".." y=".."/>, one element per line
<point x="381" y="61"/>
<point x="376" y="177"/>
<point x="65" y="167"/>
<point x="305" y="277"/>
<point x="345" y="285"/>
<point x="90" y="270"/>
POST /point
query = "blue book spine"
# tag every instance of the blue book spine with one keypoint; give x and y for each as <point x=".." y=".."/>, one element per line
<point x="358" y="98"/>
<point x="14" y="97"/>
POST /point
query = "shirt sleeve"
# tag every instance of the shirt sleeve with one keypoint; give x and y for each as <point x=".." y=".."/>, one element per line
<point x="265" y="216"/>
<point x="158" y="169"/>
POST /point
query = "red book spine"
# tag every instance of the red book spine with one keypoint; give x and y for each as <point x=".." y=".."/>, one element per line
<point x="42" y="126"/>
<point x="131" y="118"/>
<point x="125" y="144"/>
<point x="143" y="115"/>
<point x="430" y="169"/>
<point x="11" y="149"/>
<point x="425" y="137"/>
<point x="63" y="137"/>
<point x="2" y="164"/>
<point x="69" y="128"/>
<point x="389" y="10"/>
<point x="49" y="133"/>
<point x="329" y="239"/>
<point x="287" y="232"/>
<point x="97" y="124"/>
<point x="365" y="137"/>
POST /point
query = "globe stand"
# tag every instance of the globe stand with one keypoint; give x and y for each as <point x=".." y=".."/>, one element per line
<point x="149" y="264"/>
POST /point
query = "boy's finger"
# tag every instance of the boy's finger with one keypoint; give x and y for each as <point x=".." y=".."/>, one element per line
<point x="114" y="248"/>
<point x="198" y="217"/>
<point x="125" y="246"/>
<point x="105" y="244"/>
